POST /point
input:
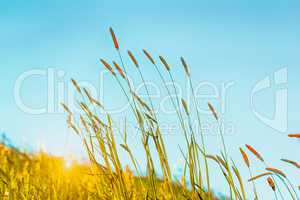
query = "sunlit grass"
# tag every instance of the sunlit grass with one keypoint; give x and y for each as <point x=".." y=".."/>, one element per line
<point x="40" y="176"/>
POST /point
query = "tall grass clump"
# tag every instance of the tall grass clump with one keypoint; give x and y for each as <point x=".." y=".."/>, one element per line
<point x="29" y="175"/>
<point x="99" y="139"/>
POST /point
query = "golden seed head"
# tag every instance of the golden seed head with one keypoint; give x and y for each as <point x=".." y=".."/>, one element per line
<point x="76" y="85"/>
<point x="185" y="106"/>
<point x="66" y="108"/>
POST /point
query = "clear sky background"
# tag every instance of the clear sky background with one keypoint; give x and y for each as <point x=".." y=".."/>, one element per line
<point x="223" y="41"/>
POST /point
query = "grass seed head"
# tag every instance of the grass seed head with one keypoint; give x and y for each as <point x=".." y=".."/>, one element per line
<point x="113" y="36"/>
<point x="76" y="85"/>
<point x="119" y="70"/>
<point x="276" y="171"/>
<point x="66" y="108"/>
<point x="250" y="148"/>
<point x="271" y="183"/>
<point x="245" y="157"/>
<point x="133" y="58"/>
<point x="185" y="66"/>
<point x="185" y="106"/>
<point x="291" y="162"/>
<point x="149" y="56"/>
<point x="164" y="62"/>
<point x="212" y="109"/>
<point x="107" y="66"/>
<point x="294" y="135"/>
<point x="88" y="95"/>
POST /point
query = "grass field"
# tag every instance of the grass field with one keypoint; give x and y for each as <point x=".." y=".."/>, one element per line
<point x="40" y="176"/>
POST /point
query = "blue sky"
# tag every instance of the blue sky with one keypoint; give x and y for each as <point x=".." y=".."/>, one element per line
<point x="223" y="41"/>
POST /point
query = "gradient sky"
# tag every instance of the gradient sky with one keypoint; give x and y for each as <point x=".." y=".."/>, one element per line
<point x="223" y="41"/>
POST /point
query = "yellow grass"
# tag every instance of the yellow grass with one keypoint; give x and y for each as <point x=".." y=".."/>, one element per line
<point x="40" y="176"/>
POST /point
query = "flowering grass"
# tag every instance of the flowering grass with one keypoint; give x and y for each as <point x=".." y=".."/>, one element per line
<point x="40" y="176"/>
